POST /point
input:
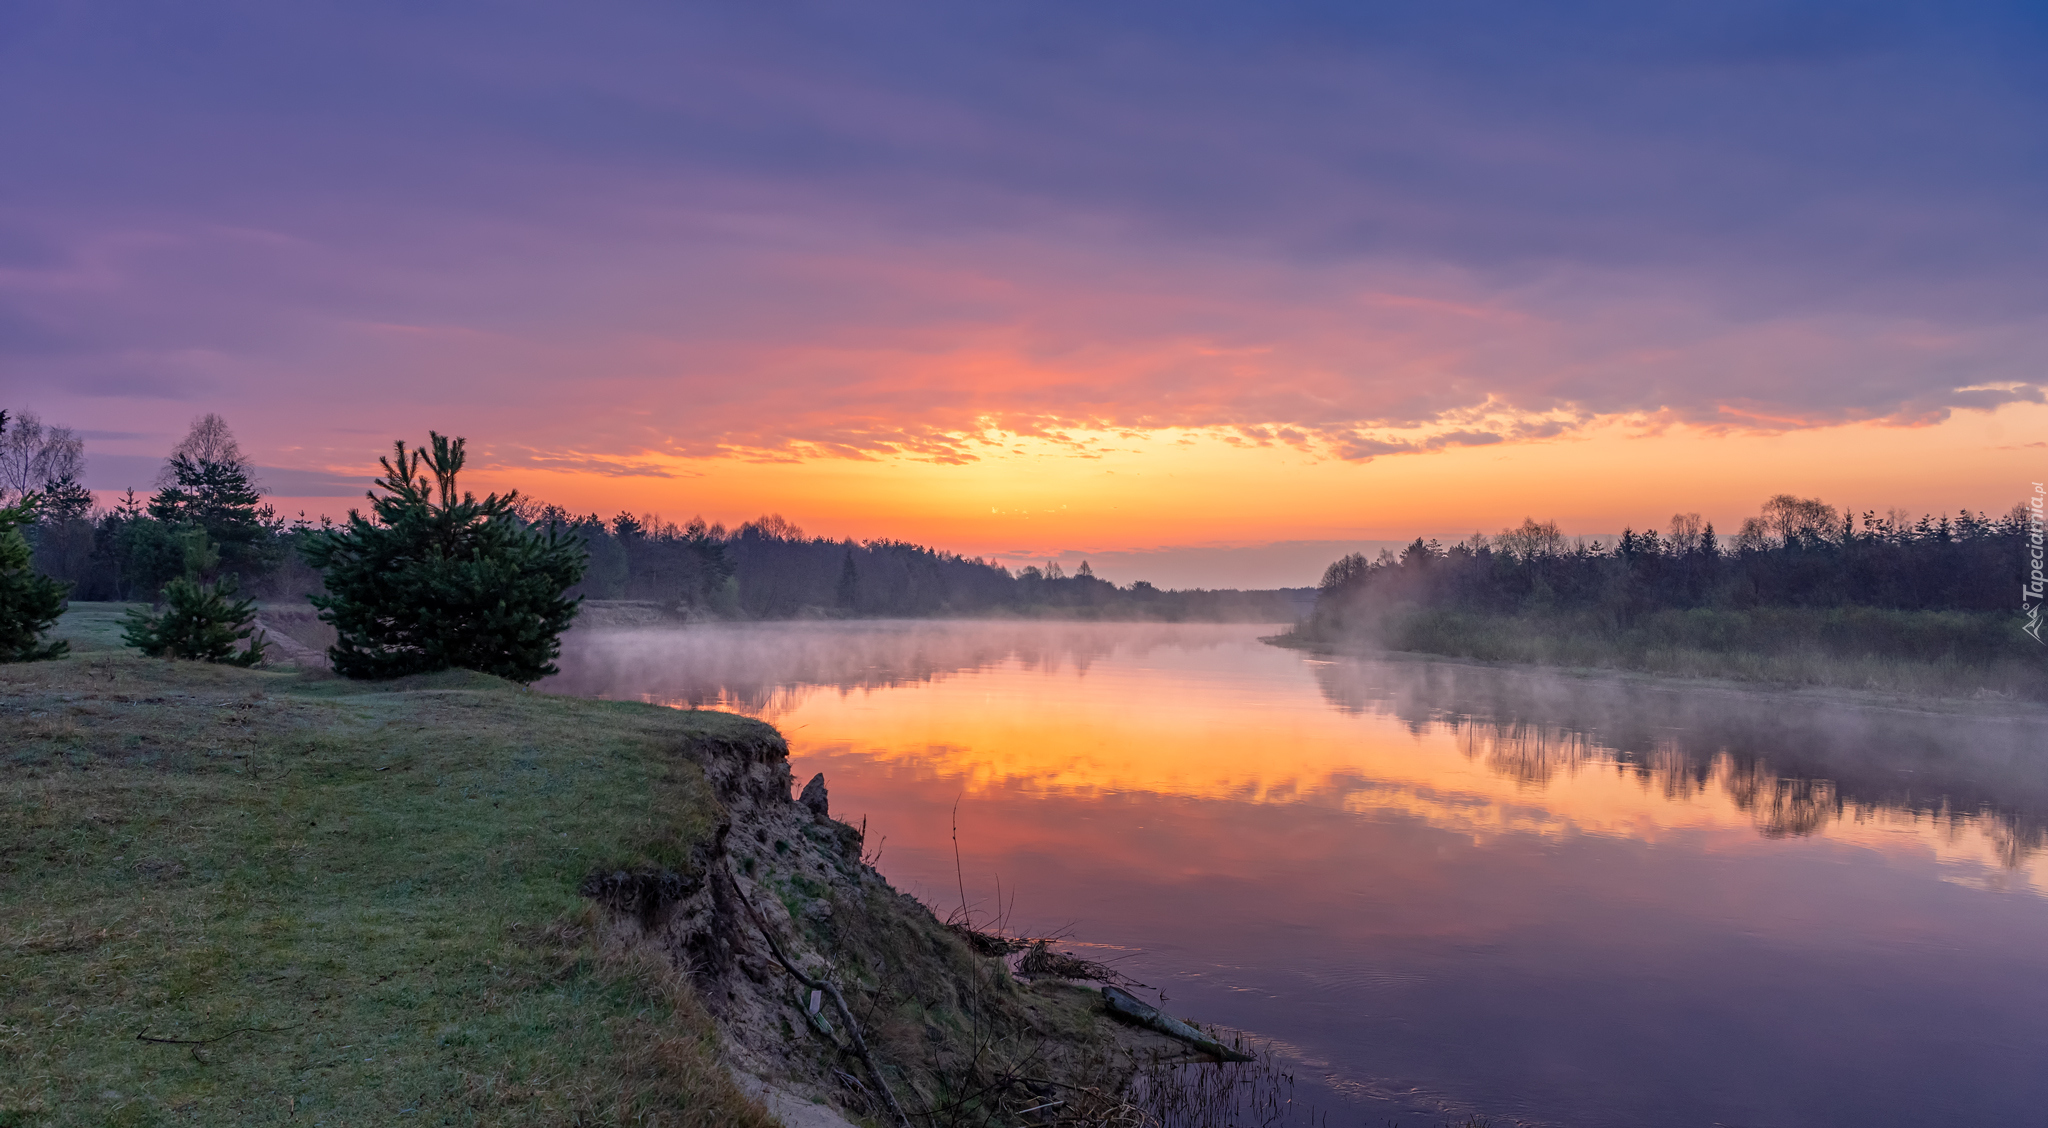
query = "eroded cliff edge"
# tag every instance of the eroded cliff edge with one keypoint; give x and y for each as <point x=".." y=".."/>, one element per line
<point x="777" y="903"/>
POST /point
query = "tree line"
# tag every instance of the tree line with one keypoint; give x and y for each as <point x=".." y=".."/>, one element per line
<point x="1796" y="553"/>
<point x="769" y="569"/>
<point x="764" y="569"/>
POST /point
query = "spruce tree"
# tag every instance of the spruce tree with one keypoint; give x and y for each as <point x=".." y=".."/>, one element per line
<point x="440" y="580"/>
<point x="201" y="620"/>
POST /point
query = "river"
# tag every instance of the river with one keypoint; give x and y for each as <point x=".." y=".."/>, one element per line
<point x="1439" y="890"/>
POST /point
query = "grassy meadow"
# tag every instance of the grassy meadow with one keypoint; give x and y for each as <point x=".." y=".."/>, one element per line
<point x="255" y="897"/>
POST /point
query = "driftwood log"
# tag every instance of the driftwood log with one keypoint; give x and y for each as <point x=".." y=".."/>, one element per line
<point x="1129" y="1007"/>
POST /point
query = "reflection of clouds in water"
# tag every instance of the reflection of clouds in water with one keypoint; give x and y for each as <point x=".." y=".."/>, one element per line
<point x="1795" y="763"/>
<point x="769" y="669"/>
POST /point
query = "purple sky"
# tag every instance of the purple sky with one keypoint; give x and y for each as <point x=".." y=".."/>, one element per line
<point x="608" y="234"/>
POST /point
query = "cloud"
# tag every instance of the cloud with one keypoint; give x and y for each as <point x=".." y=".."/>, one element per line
<point x="138" y="472"/>
<point x="603" y="466"/>
<point x="613" y="241"/>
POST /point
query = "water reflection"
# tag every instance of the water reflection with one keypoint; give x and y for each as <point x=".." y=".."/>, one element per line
<point x="1796" y="762"/>
<point x="768" y="669"/>
<point x="1443" y="889"/>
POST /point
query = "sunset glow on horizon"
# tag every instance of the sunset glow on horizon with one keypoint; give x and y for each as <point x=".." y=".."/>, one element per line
<point x="1024" y="496"/>
<point x="1031" y="283"/>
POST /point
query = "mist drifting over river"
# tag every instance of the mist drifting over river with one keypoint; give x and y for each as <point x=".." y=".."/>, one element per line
<point x="1441" y="889"/>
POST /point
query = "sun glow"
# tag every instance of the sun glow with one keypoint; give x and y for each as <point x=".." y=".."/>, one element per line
<point x="1161" y="728"/>
<point x="1107" y="489"/>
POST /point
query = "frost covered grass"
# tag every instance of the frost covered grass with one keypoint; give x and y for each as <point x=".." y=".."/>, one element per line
<point x="244" y="896"/>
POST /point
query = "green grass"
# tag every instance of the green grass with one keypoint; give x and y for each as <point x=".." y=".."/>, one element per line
<point x="94" y="628"/>
<point x="353" y="904"/>
<point x="1917" y="653"/>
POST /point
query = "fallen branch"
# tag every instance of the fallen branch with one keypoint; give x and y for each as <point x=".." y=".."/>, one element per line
<point x="860" y="1044"/>
<point x="217" y="1037"/>
<point x="987" y="942"/>
<point x="1125" y="1005"/>
<point x="1041" y="962"/>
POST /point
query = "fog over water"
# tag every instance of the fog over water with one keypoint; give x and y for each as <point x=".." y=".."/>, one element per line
<point x="1442" y="889"/>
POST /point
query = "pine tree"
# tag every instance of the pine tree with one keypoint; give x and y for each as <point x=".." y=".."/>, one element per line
<point x="442" y="581"/>
<point x="65" y="500"/>
<point x="29" y="603"/>
<point x="223" y="499"/>
<point x="201" y="620"/>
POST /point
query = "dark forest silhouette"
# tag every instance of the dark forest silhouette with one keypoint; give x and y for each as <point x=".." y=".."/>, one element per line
<point x="764" y="569"/>
<point x="1799" y="587"/>
<point x="768" y="569"/>
<point x="1799" y="552"/>
<point x="1797" y="555"/>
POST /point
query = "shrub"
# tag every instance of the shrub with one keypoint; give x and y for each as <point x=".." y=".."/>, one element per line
<point x="439" y="581"/>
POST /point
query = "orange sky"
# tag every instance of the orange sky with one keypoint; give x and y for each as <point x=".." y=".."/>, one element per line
<point x="1174" y="487"/>
<point x="685" y="263"/>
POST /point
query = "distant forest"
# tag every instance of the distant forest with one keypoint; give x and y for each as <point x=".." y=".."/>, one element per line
<point x="1797" y="553"/>
<point x="765" y="569"/>
<point x="768" y="569"/>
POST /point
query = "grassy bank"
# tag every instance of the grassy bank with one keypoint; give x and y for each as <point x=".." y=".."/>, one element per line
<point x="330" y="903"/>
<point x="1920" y="653"/>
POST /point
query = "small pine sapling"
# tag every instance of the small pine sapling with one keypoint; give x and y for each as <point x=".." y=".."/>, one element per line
<point x="440" y="580"/>
<point x="200" y="621"/>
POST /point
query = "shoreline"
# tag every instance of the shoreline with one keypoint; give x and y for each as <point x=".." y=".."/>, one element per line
<point x="2018" y="707"/>
<point x="462" y="894"/>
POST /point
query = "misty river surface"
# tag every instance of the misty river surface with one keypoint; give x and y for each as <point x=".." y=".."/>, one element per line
<point x="1440" y="890"/>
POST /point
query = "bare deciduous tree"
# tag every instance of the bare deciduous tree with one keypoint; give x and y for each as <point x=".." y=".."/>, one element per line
<point x="33" y="457"/>
<point x="1788" y="520"/>
<point x="1686" y="529"/>
<point x="209" y="441"/>
<point x="1531" y="540"/>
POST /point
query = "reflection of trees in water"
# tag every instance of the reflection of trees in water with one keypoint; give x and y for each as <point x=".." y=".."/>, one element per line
<point x="768" y="703"/>
<point x="1527" y="753"/>
<point x="1782" y="807"/>
<point x="769" y="669"/>
<point x="1794" y="763"/>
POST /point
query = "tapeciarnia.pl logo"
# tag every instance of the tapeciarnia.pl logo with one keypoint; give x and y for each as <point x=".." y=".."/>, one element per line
<point x="2031" y="592"/>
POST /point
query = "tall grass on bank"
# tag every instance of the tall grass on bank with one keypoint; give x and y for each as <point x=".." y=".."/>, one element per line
<point x="245" y="897"/>
<point x="1922" y="653"/>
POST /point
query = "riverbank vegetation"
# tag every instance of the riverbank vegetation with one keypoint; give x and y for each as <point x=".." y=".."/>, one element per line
<point x="1802" y="594"/>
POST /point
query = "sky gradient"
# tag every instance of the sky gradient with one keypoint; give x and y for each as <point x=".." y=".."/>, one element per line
<point x="1029" y="279"/>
